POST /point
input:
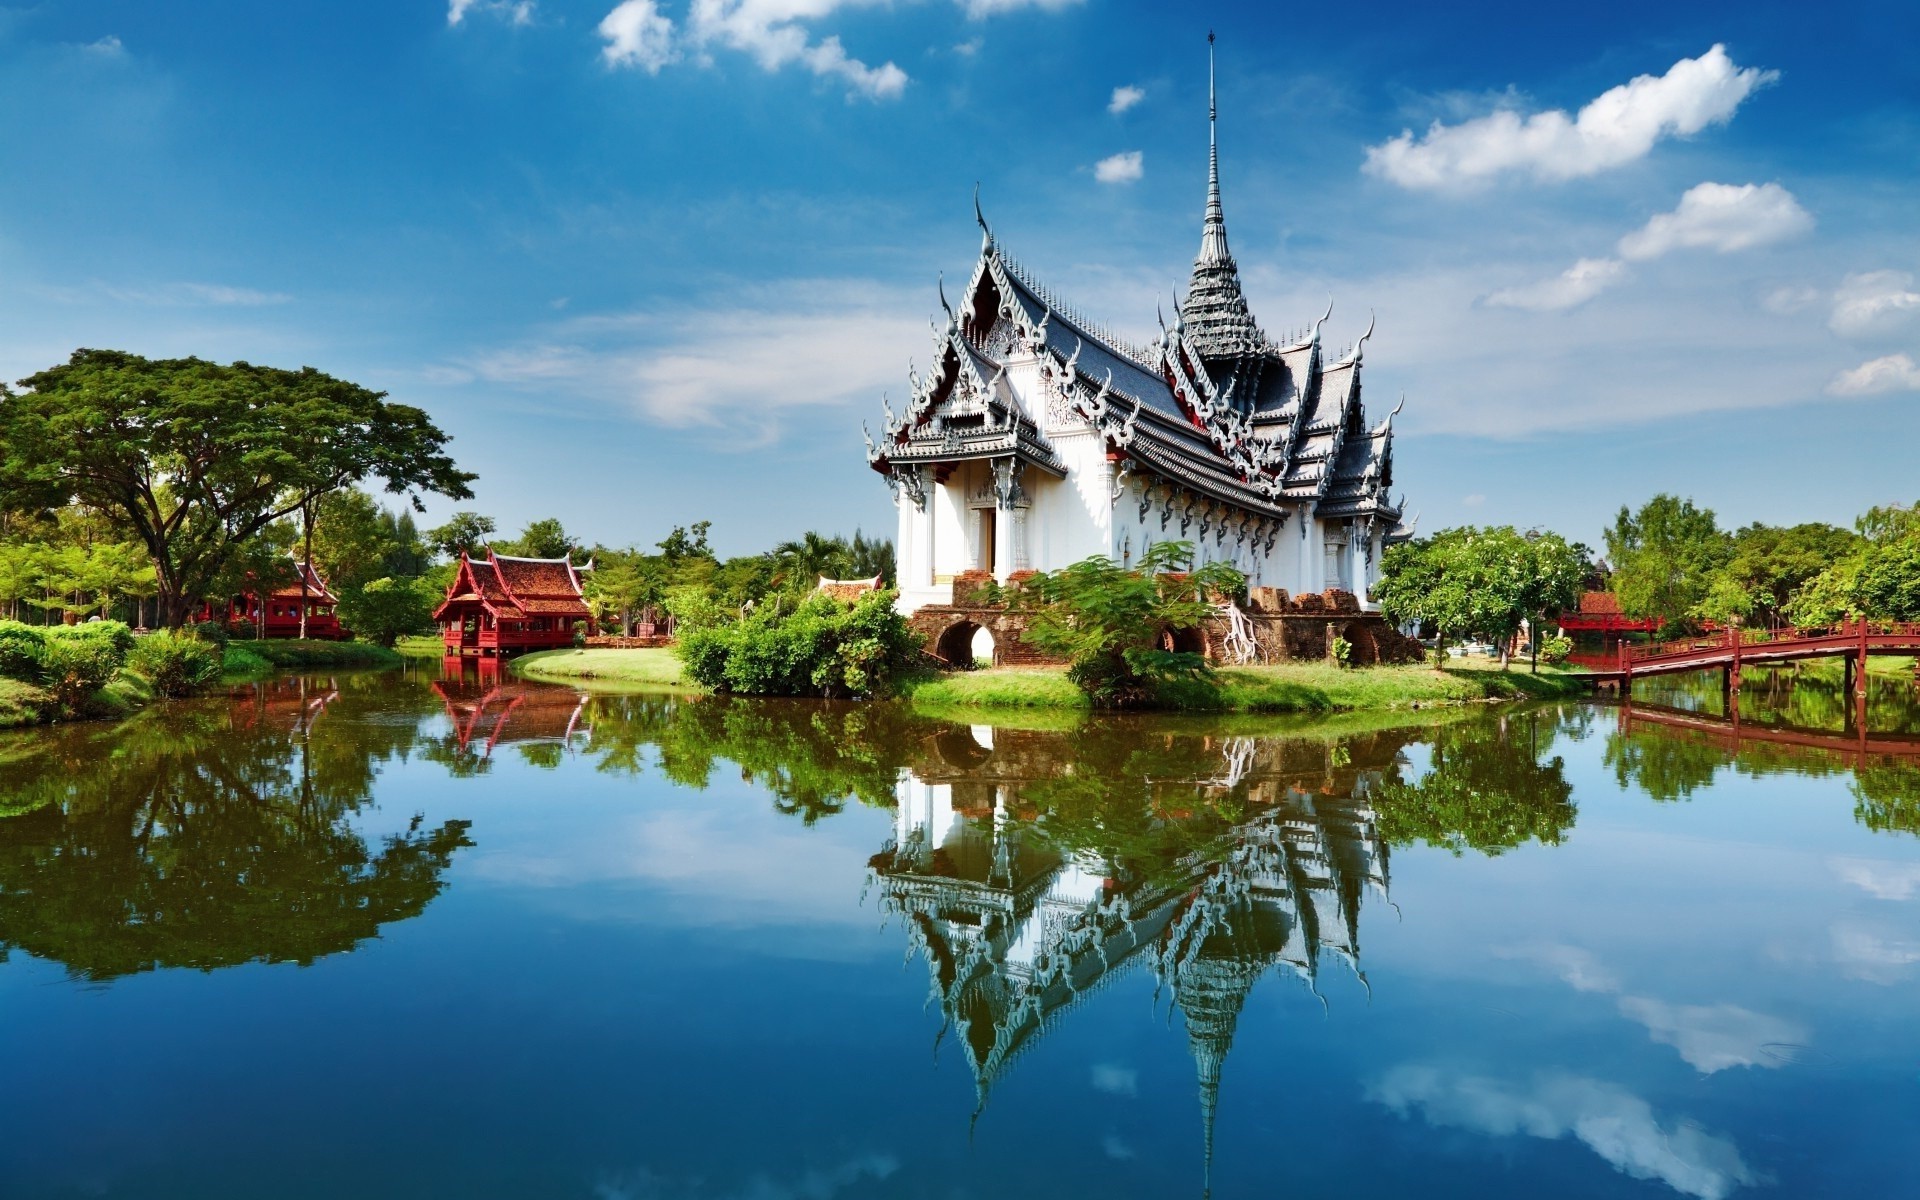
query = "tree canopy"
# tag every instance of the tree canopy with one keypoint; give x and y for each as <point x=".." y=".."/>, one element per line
<point x="1665" y="556"/>
<point x="197" y="457"/>
<point x="1481" y="581"/>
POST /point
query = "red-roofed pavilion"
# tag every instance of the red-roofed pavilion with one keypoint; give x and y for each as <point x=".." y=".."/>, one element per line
<point x="503" y="605"/>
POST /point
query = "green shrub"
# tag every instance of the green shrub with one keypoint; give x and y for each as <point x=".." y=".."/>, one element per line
<point x="239" y="660"/>
<point x="824" y="647"/>
<point x="20" y="647"/>
<point x="1554" y="650"/>
<point x="176" y="664"/>
<point x="1342" y="651"/>
<point x="72" y="669"/>
<point x="384" y="610"/>
<point x="215" y="632"/>
<point x="113" y="634"/>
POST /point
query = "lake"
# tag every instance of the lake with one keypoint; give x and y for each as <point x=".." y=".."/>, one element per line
<point x="405" y="935"/>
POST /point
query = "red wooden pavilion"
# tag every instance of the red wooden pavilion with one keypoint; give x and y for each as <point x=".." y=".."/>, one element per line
<point x="281" y="610"/>
<point x="502" y="605"/>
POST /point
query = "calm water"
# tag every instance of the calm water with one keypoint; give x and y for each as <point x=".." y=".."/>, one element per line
<point x="385" y="935"/>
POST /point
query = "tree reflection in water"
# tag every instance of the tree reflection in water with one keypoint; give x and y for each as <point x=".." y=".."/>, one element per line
<point x="209" y="835"/>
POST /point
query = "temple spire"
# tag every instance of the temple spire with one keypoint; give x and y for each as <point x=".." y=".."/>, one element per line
<point x="1213" y="239"/>
<point x="1216" y="312"/>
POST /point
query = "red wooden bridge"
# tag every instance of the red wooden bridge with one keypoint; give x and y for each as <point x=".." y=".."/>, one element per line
<point x="1729" y="650"/>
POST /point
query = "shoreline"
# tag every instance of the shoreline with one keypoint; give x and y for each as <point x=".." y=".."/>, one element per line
<point x="1290" y="688"/>
<point x="26" y="705"/>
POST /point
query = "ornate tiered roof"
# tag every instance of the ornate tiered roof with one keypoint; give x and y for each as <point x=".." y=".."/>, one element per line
<point x="317" y="591"/>
<point x="1212" y="413"/>
<point x="511" y="588"/>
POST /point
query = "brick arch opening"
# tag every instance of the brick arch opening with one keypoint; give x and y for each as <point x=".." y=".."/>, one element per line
<point x="964" y="641"/>
<point x="1366" y="650"/>
<point x="1185" y="641"/>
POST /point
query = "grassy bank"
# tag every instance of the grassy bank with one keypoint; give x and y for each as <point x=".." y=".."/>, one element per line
<point x="658" y="667"/>
<point x="1289" y="688"/>
<point x="1286" y="688"/>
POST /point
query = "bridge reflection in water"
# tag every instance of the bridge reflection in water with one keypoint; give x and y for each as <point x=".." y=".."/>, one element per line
<point x="1026" y="887"/>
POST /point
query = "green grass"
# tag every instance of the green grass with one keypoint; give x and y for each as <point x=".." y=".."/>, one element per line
<point x="21" y="703"/>
<point x="655" y="667"/>
<point x="292" y="654"/>
<point x="996" y="687"/>
<point x="1286" y="688"/>
<point x="421" y="645"/>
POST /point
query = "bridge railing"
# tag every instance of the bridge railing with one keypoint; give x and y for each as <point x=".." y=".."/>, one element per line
<point x="1722" y="640"/>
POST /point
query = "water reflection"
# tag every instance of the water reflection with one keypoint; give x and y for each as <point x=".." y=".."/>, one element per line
<point x="209" y="835"/>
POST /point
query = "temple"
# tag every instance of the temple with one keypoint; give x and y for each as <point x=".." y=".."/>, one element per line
<point x="502" y="605"/>
<point x="277" y="614"/>
<point x="1038" y="438"/>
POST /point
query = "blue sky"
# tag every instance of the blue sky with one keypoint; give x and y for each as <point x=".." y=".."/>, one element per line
<point x="652" y="262"/>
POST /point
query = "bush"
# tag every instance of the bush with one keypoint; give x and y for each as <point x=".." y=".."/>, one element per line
<point x="825" y="647"/>
<point x="72" y="669"/>
<point x="176" y="664"/>
<point x="1554" y="650"/>
<point x="239" y="660"/>
<point x="1342" y="651"/>
<point x="113" y="634"/>
<point x="20" y="647"/>
<point x="213" y="632"/>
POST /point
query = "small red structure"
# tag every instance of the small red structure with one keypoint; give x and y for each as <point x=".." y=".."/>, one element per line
<point x="1600" y="613"/>
<point x="281" y="610"/>
<point x="502" y="605"/>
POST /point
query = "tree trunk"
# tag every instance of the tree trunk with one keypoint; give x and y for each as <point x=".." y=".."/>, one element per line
<point x="306" y="563"/>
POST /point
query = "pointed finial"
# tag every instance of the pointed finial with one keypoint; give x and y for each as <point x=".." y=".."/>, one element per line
<point x="1361" y="344"/>
<point x="986" y="234"/>
<point x="940" y="282"/>
<point x="1323" y="319"/>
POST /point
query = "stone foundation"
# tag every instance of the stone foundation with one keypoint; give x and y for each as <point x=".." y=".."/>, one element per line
<point x="1286" y="629"/>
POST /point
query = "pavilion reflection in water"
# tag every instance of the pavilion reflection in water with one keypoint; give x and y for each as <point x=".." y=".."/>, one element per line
<point x="489" y="708"/>
<point x="1016" y="927"/>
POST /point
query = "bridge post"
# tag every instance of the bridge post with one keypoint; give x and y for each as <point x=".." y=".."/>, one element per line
<point x="1860" y="673"/>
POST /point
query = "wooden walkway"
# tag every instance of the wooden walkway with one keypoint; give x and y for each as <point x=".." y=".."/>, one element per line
<point x="1730" y="650"/>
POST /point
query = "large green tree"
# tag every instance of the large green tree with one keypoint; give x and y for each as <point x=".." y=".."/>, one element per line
<point x="197" y="457"/>
<point x="1481" y="581"/>
<point x="1665" y="557"/>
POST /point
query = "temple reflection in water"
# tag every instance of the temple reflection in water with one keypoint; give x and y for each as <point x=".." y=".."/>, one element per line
<point x="1251" y="857"/>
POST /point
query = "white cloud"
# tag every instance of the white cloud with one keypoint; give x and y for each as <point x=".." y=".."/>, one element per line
<point x="1891" y="373"/>
<point x="1874" y="955"/>
<point x="1714" y="216"/>
<point x="1614" y="1123"/>
<point x="815" y="344"/>
<point x="968" y="48"/>
<point x="1475" y="500"/>
<point x="637" y="36"/>
<point x="1118" y="168"/>
<point x="1786" y="299"/>
<point x="771" y="33"/>
<point x="1618" y="127"/>
<point x="1720" y="216"/>
<point x="1124" y="98"/>
<point x="1873" y="302"/>
<point x="1714" y="1037"/>
<point x="1115" y="1148"/>
<point x="1116" y="1080"/>
<point x="1878" y="877"/>
<point x="106" y="47"/>
<point x="1571" y="288"/>
<point x="519" y="12"/>
<point x="1577" y="968"/>
<point x="981" y="9"/>
<point x="172" y="295"/>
